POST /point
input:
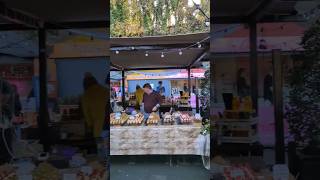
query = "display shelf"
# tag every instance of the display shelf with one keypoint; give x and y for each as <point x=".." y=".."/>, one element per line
<point x="248" y="140"/>
<point x="238" y="122"/>
<point x="234" y="127"/>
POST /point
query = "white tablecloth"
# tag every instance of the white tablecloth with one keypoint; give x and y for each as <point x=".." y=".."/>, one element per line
<point x="162" y="140"/>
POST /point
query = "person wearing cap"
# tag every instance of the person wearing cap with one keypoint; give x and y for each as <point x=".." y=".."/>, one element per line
<point x="151" y="100"/>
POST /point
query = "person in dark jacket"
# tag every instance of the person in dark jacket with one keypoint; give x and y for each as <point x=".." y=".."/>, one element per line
<point x="242" y="85"/>
<point x="17" y="102"/>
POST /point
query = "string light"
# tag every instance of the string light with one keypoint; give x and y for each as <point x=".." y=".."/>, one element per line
<point x="180" y="52"/>
<point x="132" y="48"/>
<point x="207" y="23"/>
<point x="117" y="52"/>
<point x="146" y="54"/>
<point x="199" y="44"/>
<point x="162" y="55"/>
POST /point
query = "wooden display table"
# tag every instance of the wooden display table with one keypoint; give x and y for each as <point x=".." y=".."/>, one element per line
<point x="158" y="140"/>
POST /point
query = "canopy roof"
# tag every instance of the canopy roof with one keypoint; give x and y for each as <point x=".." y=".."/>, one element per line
<point x="231" y="11"/>
<point x="136" y="59"/>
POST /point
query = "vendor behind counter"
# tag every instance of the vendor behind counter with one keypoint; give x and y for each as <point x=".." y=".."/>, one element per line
<point x="151" y="100"/>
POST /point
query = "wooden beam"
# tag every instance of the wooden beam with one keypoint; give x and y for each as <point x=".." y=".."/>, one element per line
<point x="258" y="11"/>
<point x="13" y="26"/>
<point x="155" y="47"/>
<point x="199" y="58"/>
<point x="116" y="66"/>
<point x="229" y="20"/>
<point x="77" y="24"/>
<point x="155" y="68"/>
<point x="18" y="17"/>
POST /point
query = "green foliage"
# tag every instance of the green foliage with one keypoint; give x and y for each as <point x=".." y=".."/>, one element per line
<point x="136" y="18"/>
<point x="303" y="110"/>
<point x="205" y="94"/>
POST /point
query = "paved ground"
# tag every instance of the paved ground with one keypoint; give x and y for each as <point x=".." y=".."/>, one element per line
<point x="157" y="168"/>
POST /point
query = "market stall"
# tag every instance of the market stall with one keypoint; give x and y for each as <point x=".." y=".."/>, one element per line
<point x="177" y="129"/>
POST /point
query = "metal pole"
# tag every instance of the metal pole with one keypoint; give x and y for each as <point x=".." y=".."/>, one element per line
<point x="197" y="96"/>
<point x="189" y="80"/>
<point x="108" y="107"/>
<point x="211" y="115"/>
<point x="254" y="65"/>
<point x="278" y="106"/>
<point x="123" y="90"/>
<point x="43" y="111"/>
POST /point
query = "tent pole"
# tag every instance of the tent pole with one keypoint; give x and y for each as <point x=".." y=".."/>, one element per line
<point x="123" y="90"/>
<point x="189" y="80"/>
<point x="43" y="110"/>
<point x="278" y="106"/>
<point x="254" y="65"/>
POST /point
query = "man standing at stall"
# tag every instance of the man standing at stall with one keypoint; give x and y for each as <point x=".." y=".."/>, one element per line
<point x="151" y="100"/>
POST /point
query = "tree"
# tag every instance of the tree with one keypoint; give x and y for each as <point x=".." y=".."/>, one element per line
<point x="303" y="109"/>
<point x="134" y="18"/>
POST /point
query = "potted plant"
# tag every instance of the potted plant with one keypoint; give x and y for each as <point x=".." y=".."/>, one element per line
<point x="303" y="107"/>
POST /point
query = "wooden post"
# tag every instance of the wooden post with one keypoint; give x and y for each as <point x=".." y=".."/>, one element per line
<point x="254" y="65"/>
<point x="278" y="106"/>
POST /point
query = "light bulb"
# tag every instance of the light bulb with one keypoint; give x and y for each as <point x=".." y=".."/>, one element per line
<point x="199" y="45"/>
<point x="162" y="55"/>
<point x="117" y="52"/>
<point x="132" y="48"/>
<point x="180" y="52"/>
<point x="146" y="54"/>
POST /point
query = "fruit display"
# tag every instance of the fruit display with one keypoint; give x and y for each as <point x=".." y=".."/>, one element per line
<point x="153" y="119"/>
<point x="45" y="170"/>
<point x="118" y="119"/>
<point x="136" y="119"/>
<point x="168" y="118"/>
<point x="7" y="172"/>
<point x="185" y="119"/>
